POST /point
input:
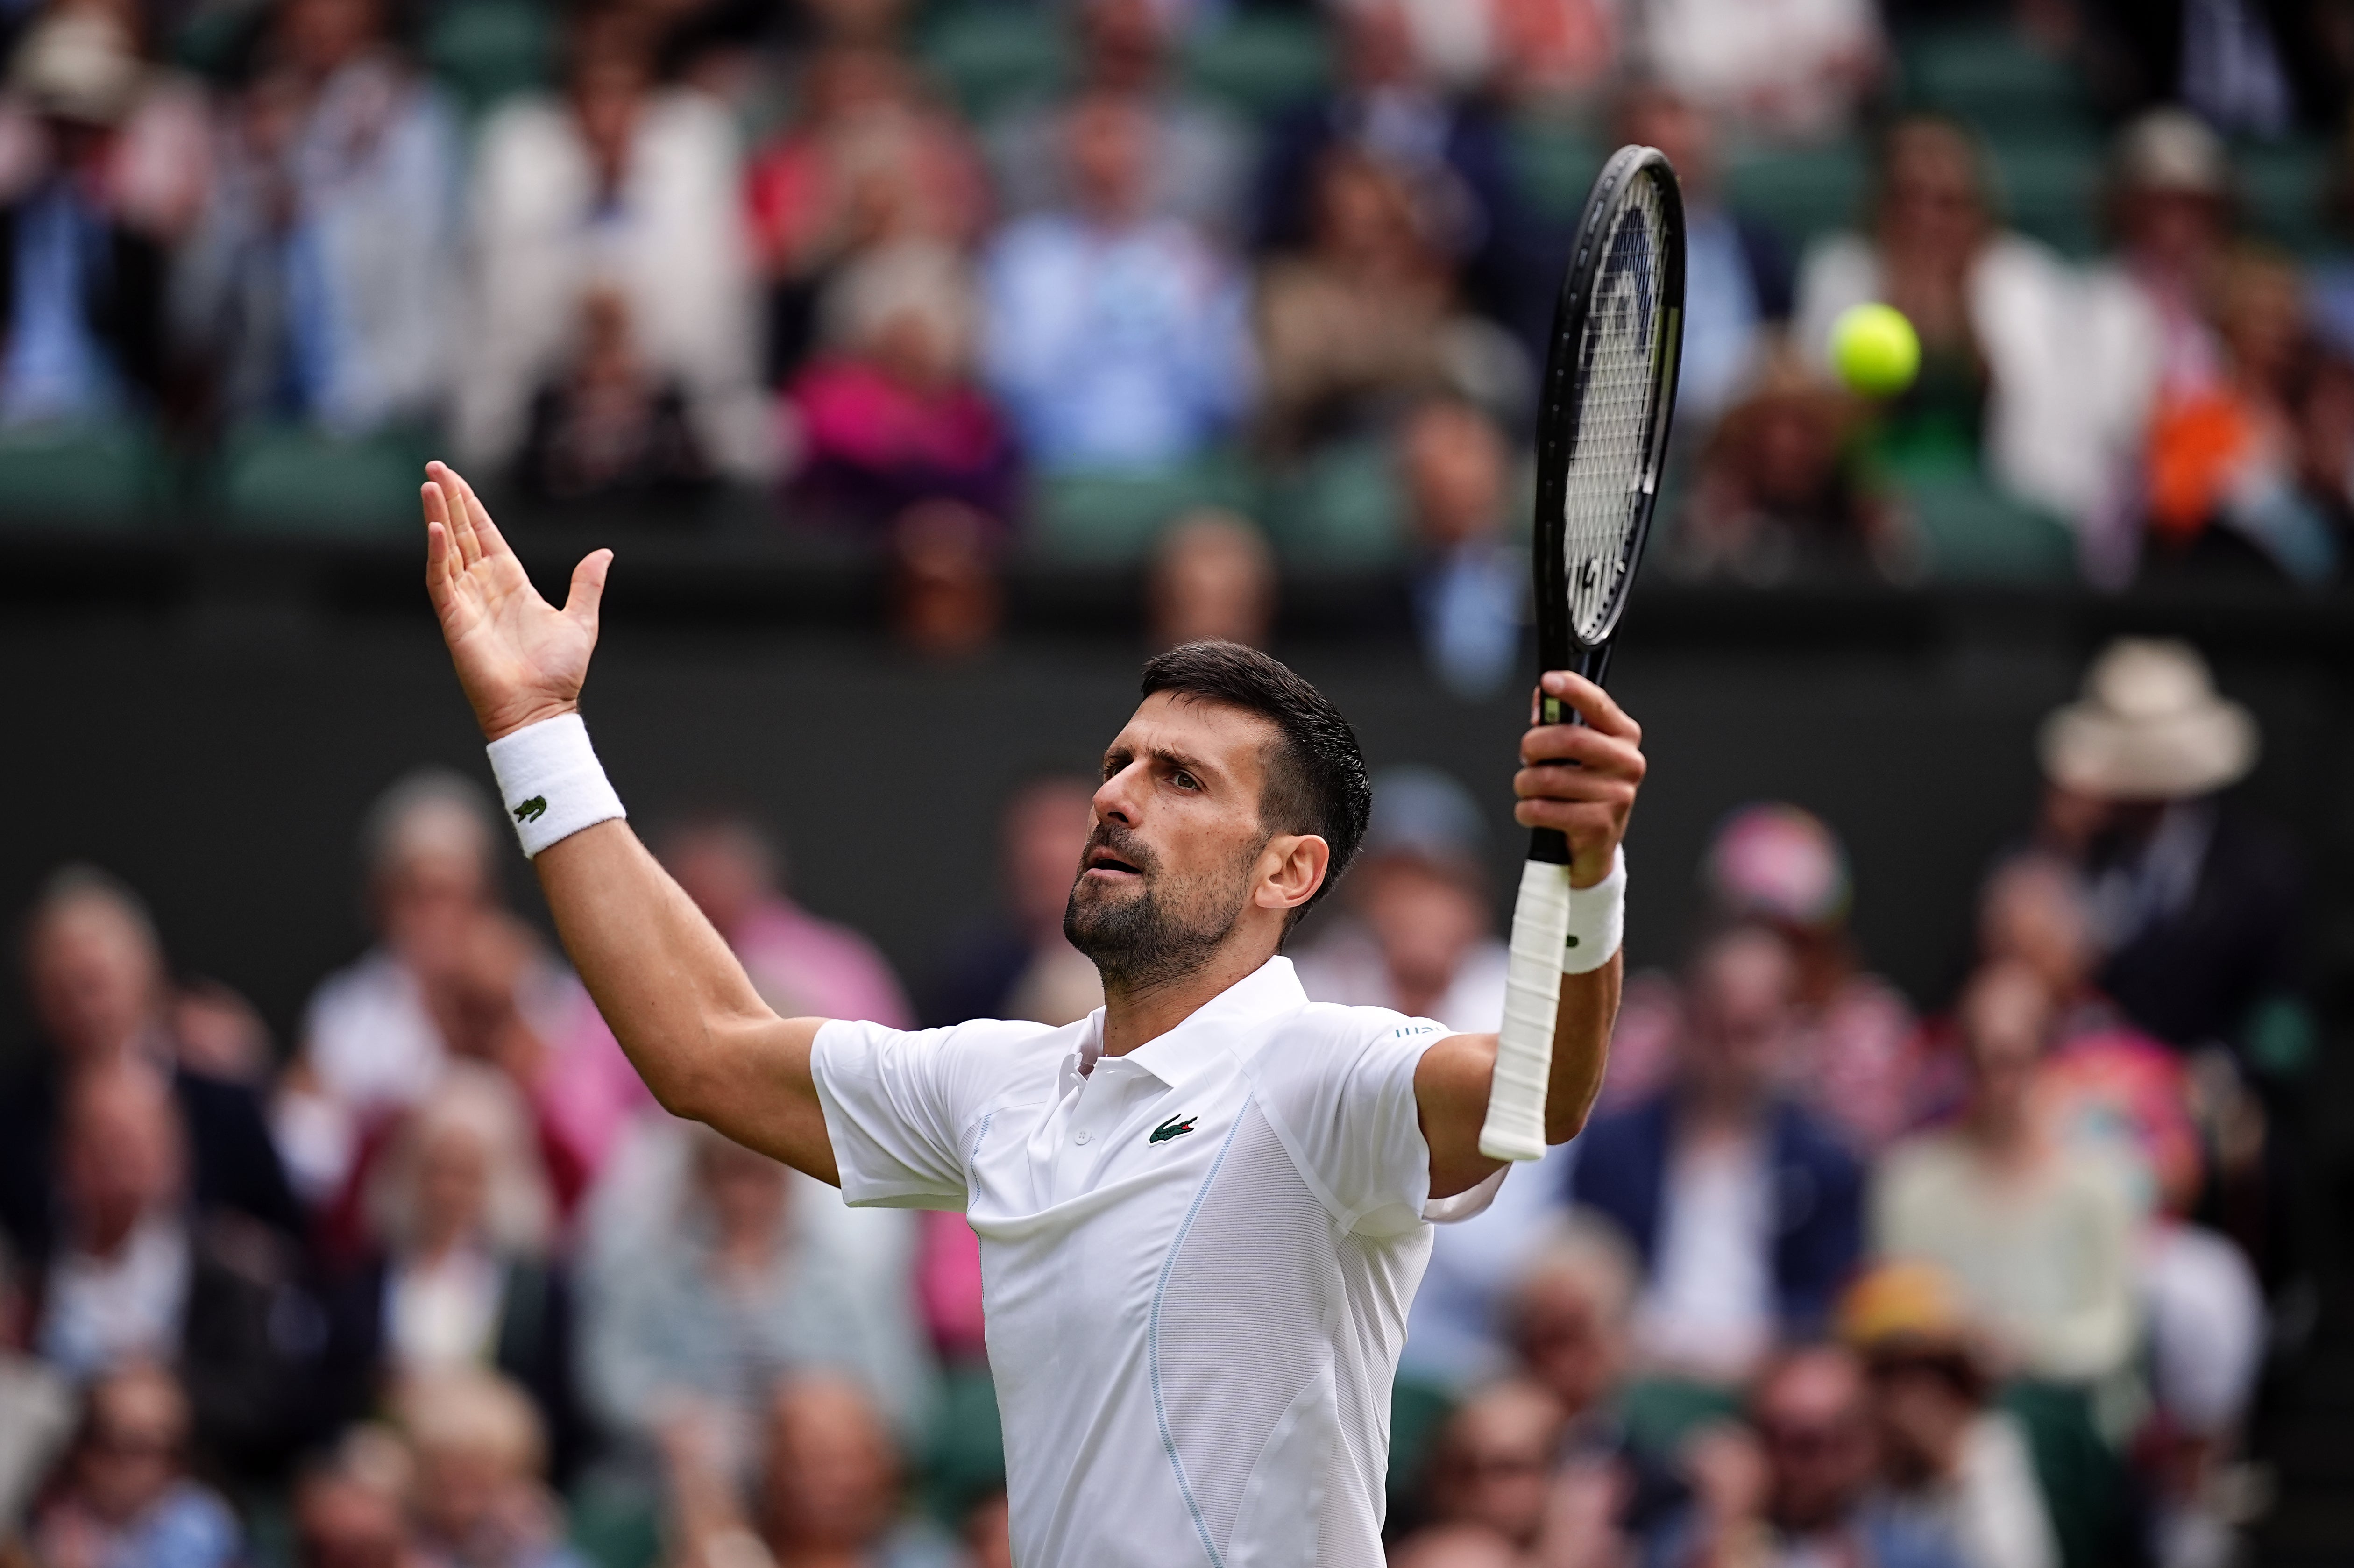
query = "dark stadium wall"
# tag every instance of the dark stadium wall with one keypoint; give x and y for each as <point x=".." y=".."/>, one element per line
<point x="220" y="760"/>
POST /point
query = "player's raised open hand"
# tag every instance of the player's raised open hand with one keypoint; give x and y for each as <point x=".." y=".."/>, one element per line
<point x="519" y="657"/>
<point x="1581" y="779"/>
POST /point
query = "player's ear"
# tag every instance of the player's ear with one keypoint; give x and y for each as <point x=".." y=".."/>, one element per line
<point x="1291" y="868"/>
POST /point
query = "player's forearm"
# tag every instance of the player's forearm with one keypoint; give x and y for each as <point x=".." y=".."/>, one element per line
<point x="1581" y="1047"/>
<point x="676" y="998"/>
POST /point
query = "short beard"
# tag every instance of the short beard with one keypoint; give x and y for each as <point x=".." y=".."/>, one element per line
<point x="1145" y="940"/>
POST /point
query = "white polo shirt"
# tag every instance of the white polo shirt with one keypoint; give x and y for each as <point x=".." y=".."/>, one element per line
<point x="1196" y="1260"/>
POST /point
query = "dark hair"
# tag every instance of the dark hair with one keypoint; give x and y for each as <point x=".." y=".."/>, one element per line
<point x="1316" y="781"/>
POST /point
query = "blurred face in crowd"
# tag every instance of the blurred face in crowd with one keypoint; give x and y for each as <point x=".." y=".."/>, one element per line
<point x="727" y="867"/>
<point x="130" y="1454"/>
<point x="1742" y="994"/>
<point x="747" y="1191"/>
<point x="988" y="1535"/>
<point x="340" y="1522"/>
<point x="946" y="602"/>
<point x="2034" y="912"/>
<point x="610" y="79"/>
<point x="1930" y="203"/>
<point x="1813" y="1416"/>
<point x="2005" y="1017"/>
<point x="427" y="901"/>
<point x="832" y="1474"/>
<point x="1569" y="1336"/>
<point x="96" y="975"/>
<point x="1456" y="1546"/>
<point x="1109" y="141"/>
<point x="1380" y="45"/>
<point x="479" y="1457"/>
<point x="1655" y="116"/>
<point x="1365" y="217"/>
<point x="1455" y="476"/>
<point x="1046" y="824"/>
<point x="2261" y="317"/>
<point x="1125" y="43"/>
<point x="120" y="1153"/>
<point x="319" y="36"/>
<point x="1495" y="1461"/>
<point x="1425" y="918"/>
<point x="1213" y="577"/>
<point x="1925" y="1405"/>
<point x="1167" y="871"/>
<point x="2176" y="234"/>
<point x="453" y="1184"/>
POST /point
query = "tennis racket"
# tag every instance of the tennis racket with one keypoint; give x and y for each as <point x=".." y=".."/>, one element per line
<point x="1602" y="430"/>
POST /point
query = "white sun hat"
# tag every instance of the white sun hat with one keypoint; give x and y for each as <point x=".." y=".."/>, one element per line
<point x="2148" y="728"/>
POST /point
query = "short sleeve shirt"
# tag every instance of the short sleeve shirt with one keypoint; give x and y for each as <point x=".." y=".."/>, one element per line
<point x="1196" y="1260"/>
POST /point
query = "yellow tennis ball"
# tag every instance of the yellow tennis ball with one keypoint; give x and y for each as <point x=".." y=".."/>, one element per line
<point x="1875" y="350"/>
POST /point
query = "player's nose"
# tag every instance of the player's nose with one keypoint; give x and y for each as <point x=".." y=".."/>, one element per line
<point x="1117" y="797"/>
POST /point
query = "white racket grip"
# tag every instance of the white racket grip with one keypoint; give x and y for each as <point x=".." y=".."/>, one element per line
<point x="1516" y="1098"/>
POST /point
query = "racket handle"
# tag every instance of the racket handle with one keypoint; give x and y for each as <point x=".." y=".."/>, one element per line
<point x="1516" y="1098"/>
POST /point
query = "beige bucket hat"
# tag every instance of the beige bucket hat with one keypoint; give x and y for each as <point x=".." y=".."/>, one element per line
<point x="2148" y="728"/>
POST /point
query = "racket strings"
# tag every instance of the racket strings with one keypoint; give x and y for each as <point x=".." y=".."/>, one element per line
<point x="1616" y="398"/>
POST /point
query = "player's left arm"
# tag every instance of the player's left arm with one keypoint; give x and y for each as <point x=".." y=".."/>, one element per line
<point x="1582" y="780"/>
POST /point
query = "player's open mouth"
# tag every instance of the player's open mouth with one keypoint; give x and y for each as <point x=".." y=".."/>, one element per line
<point x="1109" y="864"/>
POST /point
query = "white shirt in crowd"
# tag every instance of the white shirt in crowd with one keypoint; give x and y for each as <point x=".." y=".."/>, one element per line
<point x="1196" y="1259"/>
<point x="1709" y="1307"/>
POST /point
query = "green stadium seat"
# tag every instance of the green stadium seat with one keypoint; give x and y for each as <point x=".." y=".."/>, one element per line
<point x="1554" y="161"/>
<point x="1806" y="192"/>
<point x="1995" y="77"/>
<point x="2052" y="191"/>
<point x="1108" y="517"/>
<point x="82" y="477"/>
<point x="280" y="480"/>
<point x="2283" y="185"/>
<point x="991" y="57"/>
<point x="1972" y="533"/>
<point x="486" y="50"/>
<point x="1339" y="508"/>
<point x="1260" y="61"/>
<point x="965" y="1457"/>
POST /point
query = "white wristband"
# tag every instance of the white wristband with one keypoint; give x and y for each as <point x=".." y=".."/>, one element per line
<point x="1598" y="921"/>
<point x="550" y="781"/>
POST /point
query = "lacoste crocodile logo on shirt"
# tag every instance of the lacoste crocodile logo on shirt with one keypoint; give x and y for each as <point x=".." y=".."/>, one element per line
<point x="1175" y="1126"/>
<point x="531" y="811"/>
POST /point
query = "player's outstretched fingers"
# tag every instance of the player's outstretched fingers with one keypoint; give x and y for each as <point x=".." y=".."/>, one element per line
<point x="1596" y="706"/>
<point x="493" y="541"/>
<point x="445" y="479"/>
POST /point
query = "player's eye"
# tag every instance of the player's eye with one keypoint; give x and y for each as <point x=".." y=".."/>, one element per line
<point x="1184" y="781"/>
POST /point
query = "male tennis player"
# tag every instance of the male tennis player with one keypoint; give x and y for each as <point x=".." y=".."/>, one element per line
<point x="1203" y="1210"/>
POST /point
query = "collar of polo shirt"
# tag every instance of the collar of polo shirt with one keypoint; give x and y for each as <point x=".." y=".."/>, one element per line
<point x="1272" y="988"/>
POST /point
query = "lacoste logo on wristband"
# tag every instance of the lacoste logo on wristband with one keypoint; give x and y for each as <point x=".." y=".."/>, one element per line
<point x="1175" y="1126"/>
<point x="531" y="811"/>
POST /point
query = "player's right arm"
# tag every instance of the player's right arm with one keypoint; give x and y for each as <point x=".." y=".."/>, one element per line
<point x="676" y="997"/>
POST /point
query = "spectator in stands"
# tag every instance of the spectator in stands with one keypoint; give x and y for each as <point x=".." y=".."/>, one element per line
<point x="350" y="1507"/>
<point x="889" y="414"/>
<point x="482" y="1498"/>
<point x="1952" y="1461"/>
<point x="830" y="1489"/>
<point x="137" y="1277"/>
<point x="461" y="1276"/>
<point x="107" y="173"/>
<point x="1493" y="1460"/>
<point x="1201" y="152"/>
<point x="1744" y="1208"/>
<point x="1738" y="274"/>
<point x="802" y="966"/>
<point x="1801" y="1491"/>
<point x="1854" y="1044"/>
<point x="1116" y="339"/>
<point x="39" y="1407"/>
<point x="731" y="1288"/>
<point x="318" y="280"/>
<point x="607" y="426"/>
<point x="2004" y="340"/>
<point x="1212" y="575"/>
<point x="2194" y="902"/>
<point x="1364" y="321"/>
<point x="1450" y="151"/>
<point x="946" y="599"/>
<point x="1780" y="70"/>
<point x="1456" y="1546"/>
<point x="869" y="161"/>
<point x="2037" y="1234"/>
<point x="626" y="186"/>
<point x="1019" y="965"/>
<point x="1781" y="491"/>
<point x="2225" y="480"/>
<point x="451" y="975"/>
<point x="126" y="1500"/>
<point x="101" y="996"/>
<point x="1468" y="582"/>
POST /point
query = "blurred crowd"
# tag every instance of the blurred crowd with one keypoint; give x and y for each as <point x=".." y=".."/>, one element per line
<point x="1830" y="1279"/>
<point x="730" y="243"/>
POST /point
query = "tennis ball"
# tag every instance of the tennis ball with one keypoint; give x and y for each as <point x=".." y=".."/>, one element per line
<point x="1875" y="350"/>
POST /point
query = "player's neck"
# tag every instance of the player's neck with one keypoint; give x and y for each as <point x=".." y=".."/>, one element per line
<point x="1134" y="1014"/>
